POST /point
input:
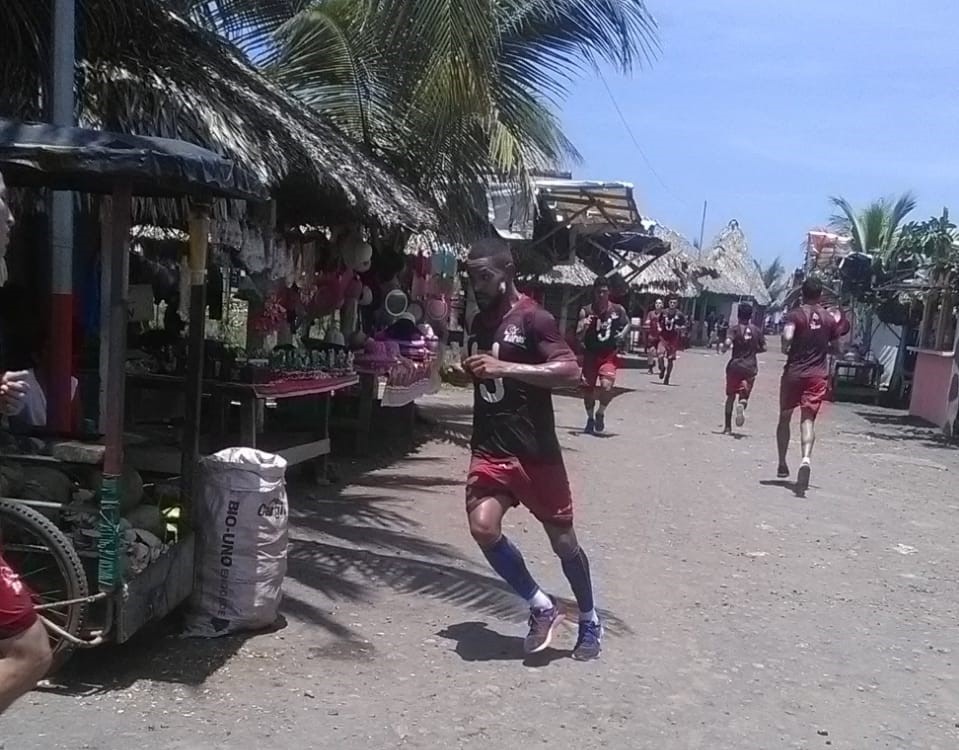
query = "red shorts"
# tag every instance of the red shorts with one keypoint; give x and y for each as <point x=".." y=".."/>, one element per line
<point x="598" y="365"/>
<point x="806" y="393"/>
<point x="542" y="487"/>
<point x="738" y="384"/>
<point x="16" y="604"/>
<point x="652" y="343"/>
<point x="668" y="348"/>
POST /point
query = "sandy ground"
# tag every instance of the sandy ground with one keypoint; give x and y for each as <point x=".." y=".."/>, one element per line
<point x="739" y="616"/>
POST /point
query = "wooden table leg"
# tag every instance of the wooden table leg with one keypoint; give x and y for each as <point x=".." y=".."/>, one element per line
<point x="323" y="405"/>
<point x="249" y="409"/>
<point x="369" y="385"/>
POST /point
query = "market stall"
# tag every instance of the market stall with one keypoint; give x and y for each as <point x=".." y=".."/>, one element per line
<point x="92" y="525"/>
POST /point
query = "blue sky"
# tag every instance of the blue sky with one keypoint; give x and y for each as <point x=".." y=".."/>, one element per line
<point x="766" y="107"/>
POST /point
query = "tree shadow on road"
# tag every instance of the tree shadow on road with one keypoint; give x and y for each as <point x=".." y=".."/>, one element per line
<point x="903" y="427"/>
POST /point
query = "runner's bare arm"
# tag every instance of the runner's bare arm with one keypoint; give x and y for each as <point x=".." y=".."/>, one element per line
<point x="623" y="335"/>
<point x="585" y="319"/>
<point x="789" y="330"/>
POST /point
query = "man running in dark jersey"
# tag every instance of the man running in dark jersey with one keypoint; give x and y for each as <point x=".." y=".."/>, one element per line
<point x="651" y="329"/>
<point x="809" y="335"/>
<point x="671" y="325"/>
<point x="746" y="341"/>
<point x="602" y="328"/>
<point x="516" y="356"/>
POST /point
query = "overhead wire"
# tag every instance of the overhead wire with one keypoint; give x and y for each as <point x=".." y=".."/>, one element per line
<point x="635" y="140"/>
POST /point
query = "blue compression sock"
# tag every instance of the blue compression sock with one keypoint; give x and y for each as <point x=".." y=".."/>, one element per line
<point x="508" y="561"/>
<point x="576" y="569"/>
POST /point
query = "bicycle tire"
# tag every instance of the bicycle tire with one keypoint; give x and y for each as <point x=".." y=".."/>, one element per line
<point x="68" y="564"/>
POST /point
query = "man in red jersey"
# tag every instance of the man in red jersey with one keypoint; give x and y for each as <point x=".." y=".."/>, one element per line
<point x="602" y="328"/>
<point x="516" y="357"/>
<point x="651" y="329"/>
<point x="810" y="333"/>
<point x="672" y="323"/>
<point x="746" y="341"/>
<point x="24" y="646"/>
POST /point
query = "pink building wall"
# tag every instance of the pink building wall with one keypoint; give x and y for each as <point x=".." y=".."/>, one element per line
<point x="930" y="386"/>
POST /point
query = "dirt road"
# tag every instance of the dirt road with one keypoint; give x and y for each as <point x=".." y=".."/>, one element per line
<point x="739" y="615"/>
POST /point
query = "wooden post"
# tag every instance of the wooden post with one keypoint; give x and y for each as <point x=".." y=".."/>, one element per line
<point x="116" y="258"/>
<point x="564" y="314"/>
<point x="190" y="449"/>
<point x="116" y="265"/>
<point x="942" y="323"/>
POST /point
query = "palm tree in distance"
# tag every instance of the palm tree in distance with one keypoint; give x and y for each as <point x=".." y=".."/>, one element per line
<point x="874" y="229"/>
<point x="775" y="279"/>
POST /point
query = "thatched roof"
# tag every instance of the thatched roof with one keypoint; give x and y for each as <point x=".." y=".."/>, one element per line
<point x="153" y="73"/>
<point x="738" y="275"/>
<point x="534" y="266"/>
<point x="575" y="275"/>
<point x="679" y="272"/>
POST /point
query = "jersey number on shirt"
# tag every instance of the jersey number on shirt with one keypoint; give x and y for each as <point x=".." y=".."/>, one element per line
<point x="498" y="391"/>
<point x="604" y="330"/>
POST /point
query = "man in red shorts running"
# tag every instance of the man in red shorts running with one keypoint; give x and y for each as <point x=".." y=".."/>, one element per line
<point x="810" y="333"/>
<point x="671" y="325"/>
<point x="24" y="646"/>
<point x="651" y="329"/>
<point x="516" y="356"/>
<point x="746" y="341"/>
<point x="602" y="328"/>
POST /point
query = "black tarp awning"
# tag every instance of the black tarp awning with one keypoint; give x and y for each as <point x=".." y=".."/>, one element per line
<point x="94" y="161"/>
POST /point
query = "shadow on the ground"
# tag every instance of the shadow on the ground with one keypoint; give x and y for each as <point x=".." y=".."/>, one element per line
<point x="786" y="484"/>
<point x="345" y="545"/>
<point x="155" y="653"/>
<point x="903" y="427"/>
<point x="476" y="642"/>
<point x="733" y="435"/>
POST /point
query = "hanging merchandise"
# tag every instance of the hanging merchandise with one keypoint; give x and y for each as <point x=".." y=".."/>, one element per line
<point x="357" y="255"/>
<point x="214" y="293"/>
<point x="183" y="309"/>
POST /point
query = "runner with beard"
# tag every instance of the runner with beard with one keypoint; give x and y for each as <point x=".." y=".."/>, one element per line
<point x="516" y="357"/>
<point x="671" y="325"/>
<point x="602" y="329"/>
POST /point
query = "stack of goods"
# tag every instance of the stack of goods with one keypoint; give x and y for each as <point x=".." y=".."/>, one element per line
<point x="310" y="364"/>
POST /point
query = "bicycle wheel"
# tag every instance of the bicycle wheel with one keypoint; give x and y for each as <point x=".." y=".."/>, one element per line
<point x="47" y="562"/>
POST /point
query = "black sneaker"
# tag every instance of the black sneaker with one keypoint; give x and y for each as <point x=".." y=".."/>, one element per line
<point x="589" y="644"/>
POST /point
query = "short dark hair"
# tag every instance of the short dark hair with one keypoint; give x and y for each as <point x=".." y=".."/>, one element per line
<point x="601" y="283"/>
<point x="812" y="289"/>
<point x="490" y="248"/>
<point x="745" y="311"/>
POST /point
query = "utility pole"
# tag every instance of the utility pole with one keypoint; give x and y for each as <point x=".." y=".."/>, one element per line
<point x="702" y="231"/>
<point x="61" y="225"/>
